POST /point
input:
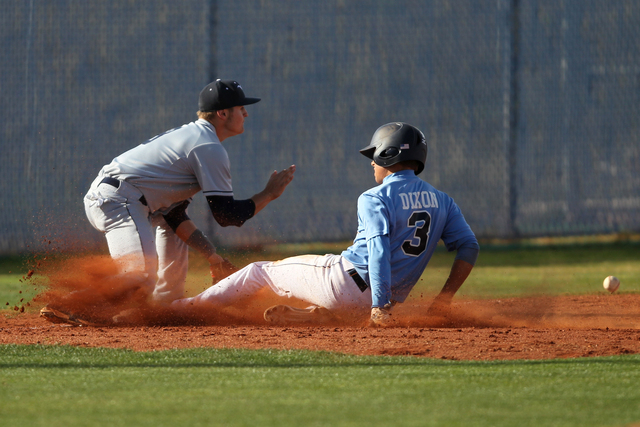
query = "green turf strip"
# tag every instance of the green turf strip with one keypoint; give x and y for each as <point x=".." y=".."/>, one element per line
<point x="500" y="271"/>
<point x="69" y="386"/>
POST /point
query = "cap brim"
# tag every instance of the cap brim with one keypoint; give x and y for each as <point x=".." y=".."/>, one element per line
<point x="249" y="101"/>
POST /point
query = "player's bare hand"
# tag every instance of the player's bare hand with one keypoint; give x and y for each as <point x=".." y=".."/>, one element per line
<point x="278" y="181"/>
<point x="440" y="307"/>
<point x="380" y="317"/>
<point x="222" y="269"/>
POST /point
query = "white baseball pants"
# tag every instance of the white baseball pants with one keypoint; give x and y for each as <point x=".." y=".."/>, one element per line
<point x="138" y="242"/>
<point x="318" y="280"/>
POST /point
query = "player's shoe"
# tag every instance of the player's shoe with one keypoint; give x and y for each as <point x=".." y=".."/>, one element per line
<point x="127" y="317"/>
<point x="57" y="316"/>
<point x="286" y="315"/>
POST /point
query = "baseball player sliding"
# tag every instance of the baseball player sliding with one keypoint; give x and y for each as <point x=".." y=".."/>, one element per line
<point x="400" y="222"/>
<point x="140" y="199"/>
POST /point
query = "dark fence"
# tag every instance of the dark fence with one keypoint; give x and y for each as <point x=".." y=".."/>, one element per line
<point x="530" y="108"/>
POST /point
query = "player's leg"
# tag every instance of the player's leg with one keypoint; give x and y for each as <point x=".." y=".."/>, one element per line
<point x="123" y="218"/>
<point x="323" y="281"/>
<point x="240" y="285"/>
<point x="125" y="222"/>
<point x="173" y="263"/>
<point x="305" y="277"/>
<point x="319" y="280"/>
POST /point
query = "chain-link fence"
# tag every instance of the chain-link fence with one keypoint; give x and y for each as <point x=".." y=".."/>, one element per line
<point x="530" y="107"/>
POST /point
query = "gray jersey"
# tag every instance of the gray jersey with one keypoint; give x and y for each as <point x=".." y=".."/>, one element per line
<point x="175" y="165"/>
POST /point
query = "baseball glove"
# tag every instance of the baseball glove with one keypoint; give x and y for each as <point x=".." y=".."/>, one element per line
<point x="221" y="270"/>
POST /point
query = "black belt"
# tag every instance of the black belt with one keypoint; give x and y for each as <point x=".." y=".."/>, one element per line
<point x="116" y="183"/>
<point x="359" y="280"/>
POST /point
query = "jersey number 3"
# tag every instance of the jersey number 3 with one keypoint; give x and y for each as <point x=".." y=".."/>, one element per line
<point x="421" y="221"/>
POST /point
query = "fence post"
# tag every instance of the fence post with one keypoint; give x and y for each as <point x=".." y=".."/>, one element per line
<point x="510" y="45"/>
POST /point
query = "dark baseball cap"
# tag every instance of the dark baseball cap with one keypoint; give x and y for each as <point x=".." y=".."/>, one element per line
<point x="223" y="94"/>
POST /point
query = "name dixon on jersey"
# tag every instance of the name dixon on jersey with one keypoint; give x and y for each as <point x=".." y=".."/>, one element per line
<point x="418" y="200"/>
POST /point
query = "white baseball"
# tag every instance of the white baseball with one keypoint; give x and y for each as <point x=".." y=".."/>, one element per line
<point x="611" y="284"/>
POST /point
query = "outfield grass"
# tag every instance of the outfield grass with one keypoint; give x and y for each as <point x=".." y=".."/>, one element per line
<point x="556" y="270"/>
<point x="66" y="386"/>
<point x="14" y="286"/>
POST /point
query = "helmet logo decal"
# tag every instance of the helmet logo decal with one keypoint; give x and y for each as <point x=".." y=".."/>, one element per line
<point x="405" y="147"/>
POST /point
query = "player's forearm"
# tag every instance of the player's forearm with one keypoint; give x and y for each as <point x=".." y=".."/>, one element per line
<point x="192" y="236"/>
<point x="185" y="230"/>
<point x="261" y="200"/>
<point x="460" y="270"/>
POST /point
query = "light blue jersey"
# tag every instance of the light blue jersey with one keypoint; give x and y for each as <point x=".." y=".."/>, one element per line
<point x="399" y="225"/>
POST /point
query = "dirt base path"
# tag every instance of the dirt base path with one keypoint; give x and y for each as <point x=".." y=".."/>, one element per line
<point x="514" y="328"/>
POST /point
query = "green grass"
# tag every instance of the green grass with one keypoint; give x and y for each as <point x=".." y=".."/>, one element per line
<point x="68" y="386"/>
<point x="500" y="271"/>
<point x="15" y="288"/>
<point x="504" y="272"/>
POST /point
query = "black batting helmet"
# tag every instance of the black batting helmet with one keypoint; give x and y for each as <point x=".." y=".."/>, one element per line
<point x="397" y="142"/>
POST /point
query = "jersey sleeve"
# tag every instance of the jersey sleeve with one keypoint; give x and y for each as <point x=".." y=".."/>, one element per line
<point x="380" y="270"/>
<point x="228" y="211"/>
<point x="210" y="164"/>
<point x="456" y="230"/>
<point x="374" y="214"/>
<point x="177" y="215"/>
<point x="376" y="222"/>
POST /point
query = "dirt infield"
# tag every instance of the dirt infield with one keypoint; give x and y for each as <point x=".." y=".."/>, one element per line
<point x="511" y="328"/>
<point x="514" y="328"/>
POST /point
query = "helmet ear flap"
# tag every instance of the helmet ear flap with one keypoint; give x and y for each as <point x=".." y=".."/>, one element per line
<point x="389" y="153"/>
